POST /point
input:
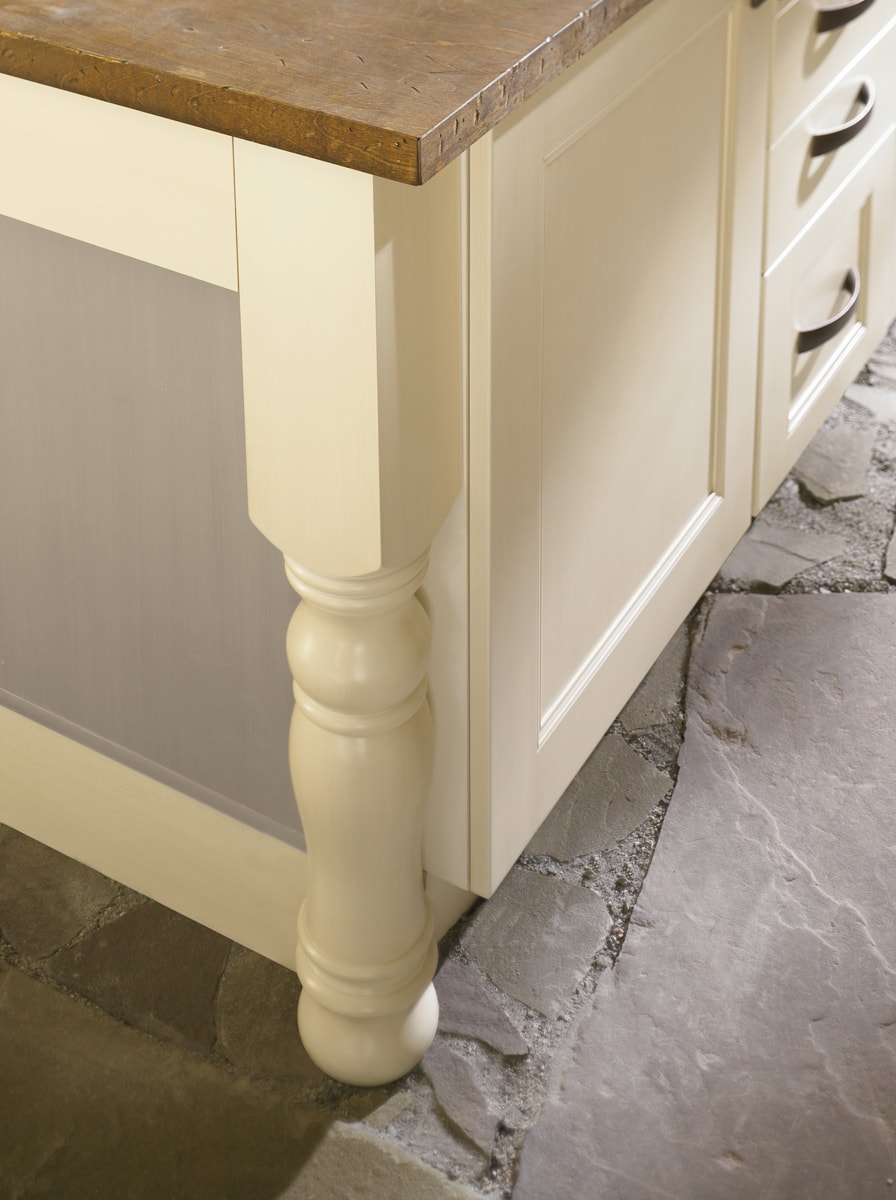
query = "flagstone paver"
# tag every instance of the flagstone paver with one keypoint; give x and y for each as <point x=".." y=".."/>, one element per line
<point x="68" y="1097"/>
<point x="771" y="555"/>
<point x="656" y="700"/>
<point x="613" y="793"/>
<point x="537" y="937"/>
<point x="255" y="1014"/>
<point x="745" y="1044"/>
<point x="46" y="899"/>
<point x="91" y="1108"/>
<point x="882" y="364"/>
<point x="877" y="400"/>
<point x="459" y="1095"/>
<point x="152" y="968"/>
<point x="466" y="1008"/>
<point x="890" y="560"/>
<point x="834" y="466"/>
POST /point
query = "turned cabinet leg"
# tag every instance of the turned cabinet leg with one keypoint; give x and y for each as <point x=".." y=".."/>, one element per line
<point x="361" y="757"/>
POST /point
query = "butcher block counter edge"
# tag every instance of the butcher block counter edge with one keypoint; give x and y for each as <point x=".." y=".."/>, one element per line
<point x="396" y="91"/>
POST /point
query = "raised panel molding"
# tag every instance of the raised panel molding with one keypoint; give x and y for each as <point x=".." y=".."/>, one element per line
<point x="618" y="630"/>
<point x="614" y="470"/>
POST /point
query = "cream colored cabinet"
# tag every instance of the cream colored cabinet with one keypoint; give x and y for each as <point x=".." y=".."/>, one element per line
<point x="829" y="288"/>
<point x="615" y="250"/>
<point x="571" y="364"/>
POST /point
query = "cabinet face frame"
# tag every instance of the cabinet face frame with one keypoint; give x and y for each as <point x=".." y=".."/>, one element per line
<point x="153" y="189"/>
<point x="524" y="749"/>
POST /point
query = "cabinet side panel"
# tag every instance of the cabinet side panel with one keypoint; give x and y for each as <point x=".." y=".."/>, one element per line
<point x="140" y="611"/>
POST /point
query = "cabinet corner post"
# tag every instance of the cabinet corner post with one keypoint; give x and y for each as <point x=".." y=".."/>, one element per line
<point x="361" y="757"/>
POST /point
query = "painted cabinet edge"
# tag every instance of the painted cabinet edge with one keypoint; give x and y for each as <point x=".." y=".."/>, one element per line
<point x="351" y="312"/>
<point x="202" y="863"/>
<point x="135" y="184"/>
<point x="350" y="297"/>
<point x="352" y="303"/>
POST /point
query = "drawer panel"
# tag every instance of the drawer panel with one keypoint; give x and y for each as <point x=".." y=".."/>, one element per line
<point x="807" y="288"/>
<point x="807" y="61"/>
<point x="862" y="103"/>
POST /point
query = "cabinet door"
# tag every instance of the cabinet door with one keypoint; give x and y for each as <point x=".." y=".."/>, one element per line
<point x="615" y="263"/>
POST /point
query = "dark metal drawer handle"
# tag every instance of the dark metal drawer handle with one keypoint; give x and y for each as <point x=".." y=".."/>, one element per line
<point x="833" y="139"/>
<point x="836" y="15"/>
<point x="811" y="339"/>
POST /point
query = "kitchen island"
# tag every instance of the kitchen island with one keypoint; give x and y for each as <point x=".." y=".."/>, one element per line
<point x="648" y="248"/>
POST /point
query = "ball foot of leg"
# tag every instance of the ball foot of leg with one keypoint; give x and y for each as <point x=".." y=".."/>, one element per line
<point x="368" y="1051"/>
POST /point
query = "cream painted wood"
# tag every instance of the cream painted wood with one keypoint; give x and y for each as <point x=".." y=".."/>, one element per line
<point x="806" y="61"/>
<point x="855" y="230"/>
<point x="157" y="840"/>
<point x="361" y="759"/>
<point x="421" y="263"/>
<point x="354" y="448"/>
<point x="354" y="390"/>
<point x="140" y="185"/>
<point x="799" y="185"/>
<point x="612" y="381"/>
<point x="612" y="231"/>
<point x="419" y="275"/>
<point x="445" y="597"/>
<point x="352" y="335"/>
<point x="203" y="863"/>
<point x="308" y="319"/>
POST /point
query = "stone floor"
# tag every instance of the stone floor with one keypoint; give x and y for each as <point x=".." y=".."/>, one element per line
<point x="725" y="1031"/>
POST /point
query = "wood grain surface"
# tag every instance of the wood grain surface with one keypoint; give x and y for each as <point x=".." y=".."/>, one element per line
<point x="394" y="89"/>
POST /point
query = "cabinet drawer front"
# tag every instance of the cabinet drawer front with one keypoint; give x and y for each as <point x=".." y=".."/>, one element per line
<point x="806" y="61"/>
<point x="851" y="245"/>
<point x="861" y="102"/>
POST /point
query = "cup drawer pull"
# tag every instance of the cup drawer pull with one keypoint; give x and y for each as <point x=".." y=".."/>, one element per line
<point x="832" y="139"/>
<point x="834" y="15"/>
<point x="817" y="335"/>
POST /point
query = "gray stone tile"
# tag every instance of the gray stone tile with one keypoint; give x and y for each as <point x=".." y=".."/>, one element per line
<point x="91" y="1109"/>
<point x="382" y="1116"/>
<point x="745" y="1045"/>
<point x="656" y="700"/>
<point x="46" y="899"/>
<point x="880" y="401"/>
<point x="153" y="969"/>
<point x="834" y="466"/>
<point x="771" y="555"/>
<point x="256" y="1018"/>
<point x="465" y="1008"/>
<point x="890" y="560"/>
<point x="537" y="937"/>
<point x="351" y="1163"/>
<point x="882" y="364"/>
<point x="613" y="793"/>
<point x="459" y="1095"/>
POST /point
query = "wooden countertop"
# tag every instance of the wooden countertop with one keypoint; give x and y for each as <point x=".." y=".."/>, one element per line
<point x="397" y="88"/>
